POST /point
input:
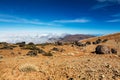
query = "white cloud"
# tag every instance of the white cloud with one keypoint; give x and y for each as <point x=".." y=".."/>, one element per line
<point x="30" y="37"/>
<point x="114" y="20"/>
<point x="14" y="19"/>
<point x="72" y="21"/>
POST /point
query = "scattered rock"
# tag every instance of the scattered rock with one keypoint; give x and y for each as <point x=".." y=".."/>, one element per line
<point x="108" y="66"/>
<point x="32" y="53"/>
<point x="98" y="41"/>
<point x="71" y="79"/>
<point x="88" y="43"/>
<point x="101" y="77"/>
<point x="116" y="72"/>
<point x="114" y="51"/>
<point x="1" y="56"/>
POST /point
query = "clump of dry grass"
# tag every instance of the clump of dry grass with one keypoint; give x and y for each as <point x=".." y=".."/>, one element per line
<point x="28" y="67"/>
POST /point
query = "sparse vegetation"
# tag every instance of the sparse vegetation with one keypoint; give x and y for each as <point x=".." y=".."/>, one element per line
<point x="55" y="49"/>
<point x="58" y="43"/>
<point x="30" y="47"/>
<point x="21" y="44"/>
<point x="31" y="43"/>
<point x="28" y="67"/>
<point x="40" y="51"/>
<point x="7" y="47"/>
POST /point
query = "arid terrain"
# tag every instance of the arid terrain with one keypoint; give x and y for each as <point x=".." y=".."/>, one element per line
<point x="96" y="58"/>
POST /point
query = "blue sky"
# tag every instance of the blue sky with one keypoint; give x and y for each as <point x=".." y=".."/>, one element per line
<point x="60" y="16"/>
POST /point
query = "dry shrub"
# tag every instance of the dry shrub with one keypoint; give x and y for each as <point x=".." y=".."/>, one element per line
<point x="48" y="54"/>
<point x="28" y="68"/>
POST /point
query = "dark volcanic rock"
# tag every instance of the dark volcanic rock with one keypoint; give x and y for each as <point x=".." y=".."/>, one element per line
<point x="97" y="41"/>
<point x="102" y="49"/>
<point x="88" y="43"/>
<point x="114" y="51"/>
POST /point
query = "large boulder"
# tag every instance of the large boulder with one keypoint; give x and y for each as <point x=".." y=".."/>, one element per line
<point x="102" y="49"/>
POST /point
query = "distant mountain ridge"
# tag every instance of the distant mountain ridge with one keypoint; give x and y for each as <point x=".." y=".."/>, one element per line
<point x="76" y="37"/>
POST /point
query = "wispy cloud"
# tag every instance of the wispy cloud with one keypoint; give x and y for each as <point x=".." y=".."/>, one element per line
<point x="114" y="20"/>
<point x="114" y="1"/>
<point x="116" y="15"/>
<point x="105" y="3"/>
<point x="101" y="5"/>
<point x="72" y="21"/>
<point x="14" y="19"/>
